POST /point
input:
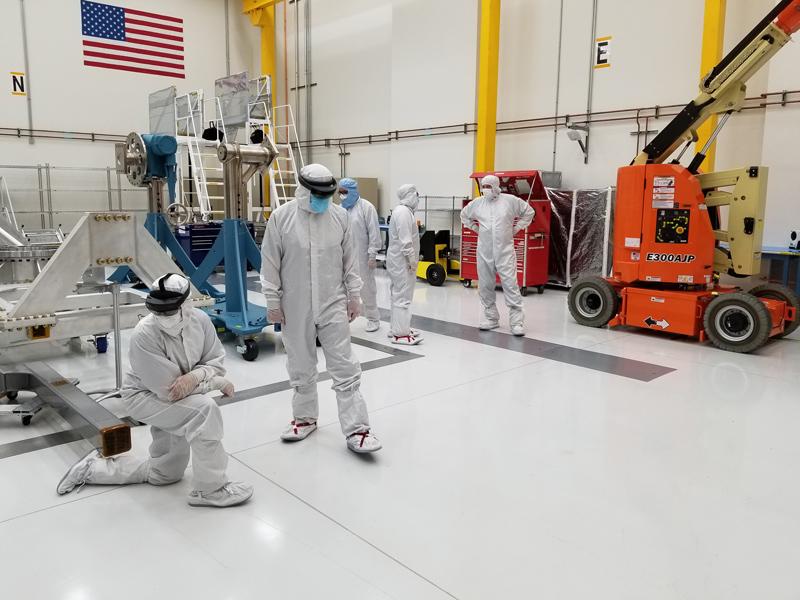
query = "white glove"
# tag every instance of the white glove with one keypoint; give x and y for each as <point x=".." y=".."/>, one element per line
<point x="182" y="387"/>
<point x="372" y="263"/>
<point x="353" y="308"/>
<point x="412" y="267"/>
<point x="223" y="385"/>
<point x="275" y="315"/>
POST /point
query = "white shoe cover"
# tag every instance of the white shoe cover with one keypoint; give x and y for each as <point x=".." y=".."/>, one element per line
<point x="518" y="330"/>
<point x="363" y="443"/>
<point x="373" y="326"/>
<point x="406" y="340"/>
<point x="230" y="494"/>
<point x="296" y="431"/>
<point x="488" y="325"/>
<point x="77" y="473"/>
<point x="415" y="332"/>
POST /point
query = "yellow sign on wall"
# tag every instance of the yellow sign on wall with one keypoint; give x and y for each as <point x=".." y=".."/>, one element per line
<point x="18" y="84"/>
<point x="602" y="53"/>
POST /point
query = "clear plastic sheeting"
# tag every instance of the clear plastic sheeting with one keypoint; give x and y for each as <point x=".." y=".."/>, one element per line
<point x="161" y="106"/>
<point x="581" y="234"/>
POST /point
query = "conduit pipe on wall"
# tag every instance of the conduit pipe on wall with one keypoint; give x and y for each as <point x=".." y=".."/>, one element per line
<point x="27" y="70"/>
<point x="635" y="115"/>
<point x="558" y="81"/>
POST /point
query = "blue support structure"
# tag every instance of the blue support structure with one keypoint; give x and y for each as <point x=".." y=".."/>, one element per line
<point x="233" y="312"/>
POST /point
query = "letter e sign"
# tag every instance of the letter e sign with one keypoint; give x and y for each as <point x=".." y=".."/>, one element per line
<point x="602" y="53"/>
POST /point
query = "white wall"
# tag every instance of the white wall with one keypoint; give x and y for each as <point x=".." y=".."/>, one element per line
<point x="423" y="55"/>
<point x="383" y="65"/>
<point x="67" y="96"/>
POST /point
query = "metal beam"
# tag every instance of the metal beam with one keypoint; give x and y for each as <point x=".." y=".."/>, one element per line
<point x="487" y="85"/>
<point x="713" y="39"/>
<point x="251" y="5"/>
<point x="88" y="418"/>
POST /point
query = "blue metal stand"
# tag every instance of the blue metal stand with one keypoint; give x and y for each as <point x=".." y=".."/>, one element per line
<point x="236" y="247"/>
<point x="160" y="229"/>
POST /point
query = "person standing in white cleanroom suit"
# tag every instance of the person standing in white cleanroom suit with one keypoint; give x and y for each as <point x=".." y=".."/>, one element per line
<point x="497" y="218"/>
<point x="175" y="362"/>
<point x="402" y="257"/>
<point x="363" y="220"/>
<point x="309" y="276"/>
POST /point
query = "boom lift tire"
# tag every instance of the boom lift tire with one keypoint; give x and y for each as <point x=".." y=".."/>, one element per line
<point x="593" y="302"/>
<point x="776" y="291"/>
<point x="737" y="322"/>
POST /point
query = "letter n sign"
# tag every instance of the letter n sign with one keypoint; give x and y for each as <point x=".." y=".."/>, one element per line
<point x="602" y="53"/>
<point x="18" y="84"/>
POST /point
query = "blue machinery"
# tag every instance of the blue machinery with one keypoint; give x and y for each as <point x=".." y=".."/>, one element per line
<point x="150" y="160"/>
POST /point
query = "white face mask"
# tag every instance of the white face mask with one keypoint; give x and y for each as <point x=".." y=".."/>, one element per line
<point x="173" y="324"/>
<point x="343" y="197"/>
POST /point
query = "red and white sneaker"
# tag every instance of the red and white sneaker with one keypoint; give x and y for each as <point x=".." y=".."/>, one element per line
<point x="406" y="340"/>
<point x="363" y="443"/>
<point x="298" y="430"/>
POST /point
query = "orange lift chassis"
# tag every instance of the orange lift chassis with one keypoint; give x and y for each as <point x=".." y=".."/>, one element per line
<point x="669" y="244"/>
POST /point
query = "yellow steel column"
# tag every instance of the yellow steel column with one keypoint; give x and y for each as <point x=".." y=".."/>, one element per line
<point x="262" y="15"/>
<point x="713" y="38"/>
<point x="487" y="85"/>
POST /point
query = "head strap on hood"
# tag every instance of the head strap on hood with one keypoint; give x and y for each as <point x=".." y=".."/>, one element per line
<point x="318" y="180"/>
<point x="169" y="293"/>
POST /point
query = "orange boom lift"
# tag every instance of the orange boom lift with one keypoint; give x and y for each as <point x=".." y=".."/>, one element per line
<point x="669" y="245"/>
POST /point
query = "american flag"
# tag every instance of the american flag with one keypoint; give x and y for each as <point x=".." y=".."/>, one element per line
<point x="131" y="40"/>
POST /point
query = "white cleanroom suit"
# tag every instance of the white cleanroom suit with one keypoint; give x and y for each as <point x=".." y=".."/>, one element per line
<point x="309" y="275"/>
<point x="402" y="257"/>
<point x="496" y="218"/>
<point x="176" y="360"/>
<point x="363" y="221"/>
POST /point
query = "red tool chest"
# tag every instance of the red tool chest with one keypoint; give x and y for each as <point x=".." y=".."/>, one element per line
<point x="532" y="245"/>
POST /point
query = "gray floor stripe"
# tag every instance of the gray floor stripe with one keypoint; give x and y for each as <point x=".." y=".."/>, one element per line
<point x="596" y="361"/>
<point x="60" y="438"/>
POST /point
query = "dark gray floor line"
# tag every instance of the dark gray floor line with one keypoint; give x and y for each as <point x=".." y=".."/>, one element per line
<point x="60" y="438"/>
<point x="596" y="361"/>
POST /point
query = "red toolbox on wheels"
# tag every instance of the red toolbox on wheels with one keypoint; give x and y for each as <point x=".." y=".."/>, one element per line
<point x="532" y="245"/>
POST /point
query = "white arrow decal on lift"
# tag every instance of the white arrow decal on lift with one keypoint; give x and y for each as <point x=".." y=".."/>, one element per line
<point x="651" y="322"/>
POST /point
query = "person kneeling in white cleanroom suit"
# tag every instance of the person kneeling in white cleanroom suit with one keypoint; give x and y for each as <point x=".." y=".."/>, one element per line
<point x="309" y="275"/>
<point x="402" y="257"/>
<point x="363" y="220"/>
<point x="492" y="216"/>
<point x="175" y="362"/>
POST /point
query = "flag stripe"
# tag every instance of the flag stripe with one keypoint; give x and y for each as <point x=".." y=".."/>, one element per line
<point x="128" y="49"/>
<point x="152" y="24"/>
<point x="133" y="59"/>
<point x="163" y="36"/>
<point x="89" y="63"/>
<point x="156" y="44"/>
<point x="152" y="15"/>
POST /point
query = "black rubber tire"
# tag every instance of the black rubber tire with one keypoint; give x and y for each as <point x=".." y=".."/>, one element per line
<point x="12" y="395"/>
<point x="467" y="283"/>
<point x="742" y="310"/>
<point x="523" y="290"/>
<point x="250" y="350"/>
<point x="102" y="345"/>
<point x="26" y="420"/>
<point x="593" y="302"/>
<point x="540" y="289"/>
<point x="776" y="291"/>
<point x="435" y="274"/>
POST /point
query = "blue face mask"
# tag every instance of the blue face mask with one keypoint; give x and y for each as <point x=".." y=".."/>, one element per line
<point x="349" y="200"/>
<point x="319" y="205"/>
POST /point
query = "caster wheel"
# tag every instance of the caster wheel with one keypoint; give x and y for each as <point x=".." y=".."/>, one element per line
<point x="12" y="395"/>
<point x="26" y="420"/>
<point x="250" y="350"/>
<point x="540" y="289"/>
<point x="467" y="283"/>
<point x="523" y="290"/>
<point x="102" y="345"/>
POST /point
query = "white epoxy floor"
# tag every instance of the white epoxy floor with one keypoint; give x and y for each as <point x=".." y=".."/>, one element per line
<point x="503" y="475"/>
